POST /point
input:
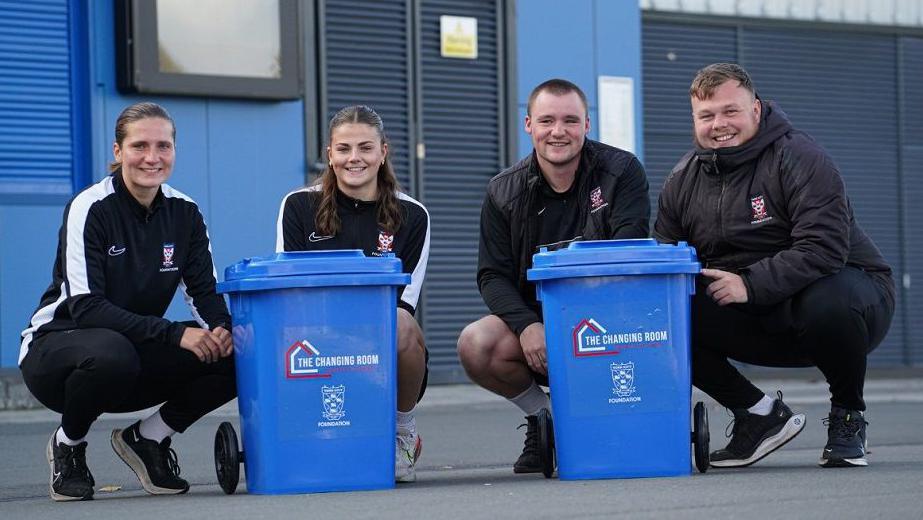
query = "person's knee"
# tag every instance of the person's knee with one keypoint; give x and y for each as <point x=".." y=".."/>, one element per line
<point x="477" y="346"/>
<point x="409" y="335"/>
<point x="830" y="318"/>
<point x="111" y="356"/>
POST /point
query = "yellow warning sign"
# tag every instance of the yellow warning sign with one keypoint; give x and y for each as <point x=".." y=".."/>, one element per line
<point x="459" y="35"/>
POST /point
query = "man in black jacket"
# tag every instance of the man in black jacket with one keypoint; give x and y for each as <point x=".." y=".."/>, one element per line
<point x="790" y="278"/>
<point x="569" y="189"/>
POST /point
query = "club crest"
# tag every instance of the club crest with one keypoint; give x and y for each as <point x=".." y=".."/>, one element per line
<point x="758" y="206"/>
<point x="168" y="250"/>
<point x="623" y="378"/>
<point x="334" y="398"/>
<point x="385" y="242"/>
<point x="596" y="200"/>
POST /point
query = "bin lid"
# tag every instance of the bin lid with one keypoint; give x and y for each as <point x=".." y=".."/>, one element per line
<point x="302" y="263"/>
<point x="614" y="257"/>
<point x="342" y="267"/>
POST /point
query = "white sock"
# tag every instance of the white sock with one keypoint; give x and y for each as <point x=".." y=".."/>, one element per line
<point x="154" y="428"/>
<point x="406" y="421"/>
<point x="763" y="407"/>
<point x="532" y="400"/>
<point x="61" y="438"/>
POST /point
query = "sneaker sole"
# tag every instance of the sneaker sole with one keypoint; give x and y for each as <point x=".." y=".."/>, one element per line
<point x="57" y="497"/>
<point x="789" y="431"/>
<point x="843" y="463"/>
<point x="131" y="459"/>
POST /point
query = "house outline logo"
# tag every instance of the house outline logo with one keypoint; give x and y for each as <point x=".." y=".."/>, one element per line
<point x="295" y="368"/>
<point x="580" y="331"/>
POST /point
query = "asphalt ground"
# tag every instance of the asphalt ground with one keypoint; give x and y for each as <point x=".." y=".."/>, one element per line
<point x="470" y="442"/>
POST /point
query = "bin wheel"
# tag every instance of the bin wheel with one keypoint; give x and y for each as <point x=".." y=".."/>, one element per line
<point x="546" y="442"/>
<point x="227" y="457"/>
<point x="700" y="436"/>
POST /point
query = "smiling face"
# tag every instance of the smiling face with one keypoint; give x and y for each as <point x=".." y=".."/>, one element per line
<point x="730" y="117"/>
<point x="356" y="152"/>
<point x="146" y="154"/>
<point x="558" y="126"/>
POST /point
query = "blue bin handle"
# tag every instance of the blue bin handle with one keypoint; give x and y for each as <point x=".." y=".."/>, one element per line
<point x="598" y="244"/>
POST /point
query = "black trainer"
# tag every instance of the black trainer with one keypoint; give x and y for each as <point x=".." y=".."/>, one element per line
<point x="153" y="462"/>
<point x="530" y="460"/>
<point x="70" y="477"/>
<point x="845" y="439"/>
<point x="755" y="436"/>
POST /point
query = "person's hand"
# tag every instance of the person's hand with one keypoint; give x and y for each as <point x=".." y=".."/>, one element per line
<point x="225" y="340"/>
<point x="532" y="341"/>
<point x="203" y="343"/>
<point x="726" y="287"/>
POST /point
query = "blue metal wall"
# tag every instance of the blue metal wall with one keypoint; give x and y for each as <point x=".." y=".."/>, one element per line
<point x="578" y="41"/>
<point x="235" y="158"/>
<point x="238" y="158"/>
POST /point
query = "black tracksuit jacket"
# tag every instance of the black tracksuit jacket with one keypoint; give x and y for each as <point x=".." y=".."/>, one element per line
<point x="612" y="198"/>
<point x="359" y="230"/>
<point x="773" y="210"/>
<point x="119" y="264"/>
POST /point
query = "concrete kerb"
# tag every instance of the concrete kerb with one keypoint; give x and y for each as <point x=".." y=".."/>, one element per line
<point x="798" y="387"/>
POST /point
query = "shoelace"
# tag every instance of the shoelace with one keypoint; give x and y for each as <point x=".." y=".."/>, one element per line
<point x="408" y="446"/>
<point x="74" y="460"/>
<point x="734" y="427"/>
<point x="531" y="444"/>
<point x="170" y="460"/>
<point x="844" y="427"/>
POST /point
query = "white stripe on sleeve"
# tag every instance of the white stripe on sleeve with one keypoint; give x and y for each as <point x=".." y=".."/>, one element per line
<point x="411" y="292"/>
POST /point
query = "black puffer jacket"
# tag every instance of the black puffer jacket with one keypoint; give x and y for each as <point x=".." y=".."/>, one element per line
<point x="773" y="210"/>
<point x="509" y="236"/>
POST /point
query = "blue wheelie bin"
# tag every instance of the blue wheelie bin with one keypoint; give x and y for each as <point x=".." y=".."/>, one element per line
<point x="617" y="323"/>
<point x="315" y="339"/>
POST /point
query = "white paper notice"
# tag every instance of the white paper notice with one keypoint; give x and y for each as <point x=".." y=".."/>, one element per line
<point x="617" y="112"/>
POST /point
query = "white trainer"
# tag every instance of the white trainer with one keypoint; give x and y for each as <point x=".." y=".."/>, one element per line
<point x="406" y="453"/>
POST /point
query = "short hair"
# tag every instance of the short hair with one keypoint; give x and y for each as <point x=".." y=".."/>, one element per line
<point x="557" y="87"/>
<point x="709" y="78"/>
<point x="137" y="112"/>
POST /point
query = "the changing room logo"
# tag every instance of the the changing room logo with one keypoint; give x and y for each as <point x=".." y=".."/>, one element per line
<point x="303" y="360"/>
<point x="591" y="338"/>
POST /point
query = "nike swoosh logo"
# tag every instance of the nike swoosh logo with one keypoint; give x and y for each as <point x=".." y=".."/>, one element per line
<point x="315" y="238"/>
<point x="115" y="252"/>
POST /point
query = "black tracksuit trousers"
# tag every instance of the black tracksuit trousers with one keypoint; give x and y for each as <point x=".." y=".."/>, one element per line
<point x="86" y="372"/>
<point x="831" y="324"/>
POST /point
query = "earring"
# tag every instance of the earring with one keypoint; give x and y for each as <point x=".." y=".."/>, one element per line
<point x="382" y="163"/>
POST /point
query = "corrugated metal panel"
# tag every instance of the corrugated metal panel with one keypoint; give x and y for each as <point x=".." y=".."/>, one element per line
<point x="838" y="86"/>
<point x="806" y="72"/>
<point x="366" y="47"/>
<point x="461" y="108"/>
<point x="894" y="12"/>
<point x="671" y="55"/>
<point x="35" y="98"/>
<point x="912" y="190"/>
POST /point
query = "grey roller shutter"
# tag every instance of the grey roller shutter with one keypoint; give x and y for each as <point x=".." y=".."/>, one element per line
<point x="671" y="54"/>
<point x="461" y="110"/>
<point x="386" y="54"/>
<point x="36" y="155"/>
<point x="365" y="53"/>
<point x="911" y="63"/>
<point x="840" y="87"/>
